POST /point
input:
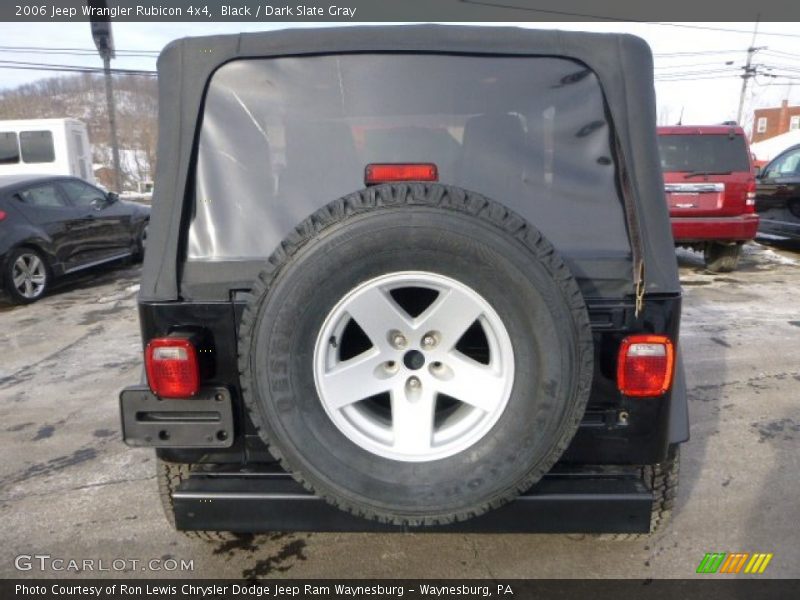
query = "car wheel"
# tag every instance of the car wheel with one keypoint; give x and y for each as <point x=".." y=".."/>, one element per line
<point x="27" y="275"/>
<point x="722" y="258"/>
<point x="416" y="354"/>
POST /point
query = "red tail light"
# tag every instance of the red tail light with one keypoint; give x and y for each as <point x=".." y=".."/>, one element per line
<point x="172" y="367"/>
<point x="645" y="365"/>
<point x="2" y="214"/>
<point x="750" y="198"/>
<point x="386" y="173"/>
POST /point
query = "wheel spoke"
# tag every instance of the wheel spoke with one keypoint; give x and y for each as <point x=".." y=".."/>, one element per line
<point x="22" y="266"/>
<point x="451" y="315"/>
<point x="472" y="383"/>
<point x="19" y="279"/>
<point x="354" y="380"/>
<point x="38" y="279"/>
<point x="35" y="264"/>
<point x="377" y="313"/>
<point x="412" y="418"/>
<point x="28" y="288"/>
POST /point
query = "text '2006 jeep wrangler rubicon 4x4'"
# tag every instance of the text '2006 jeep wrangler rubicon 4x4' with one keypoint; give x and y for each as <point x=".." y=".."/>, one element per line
<point x="410" y="278"/>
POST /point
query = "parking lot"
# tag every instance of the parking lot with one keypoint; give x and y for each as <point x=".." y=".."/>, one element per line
<point x="70" y="488"/>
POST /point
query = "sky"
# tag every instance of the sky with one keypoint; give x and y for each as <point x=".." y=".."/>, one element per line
<point x="693" y="81"/>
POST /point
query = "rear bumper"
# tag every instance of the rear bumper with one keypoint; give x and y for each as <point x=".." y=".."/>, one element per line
<point x="701" y="229"/>
<point x="252" y="497"/>
<point x="270" y="500"/>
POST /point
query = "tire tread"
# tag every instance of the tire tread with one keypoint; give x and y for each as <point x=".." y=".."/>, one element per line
<point x="662" y="480"/>
<point x="169" y="476"/>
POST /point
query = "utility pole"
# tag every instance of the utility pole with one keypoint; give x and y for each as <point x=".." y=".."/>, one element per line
<point x="749" y="71"/>
<point x="104" y="41"/>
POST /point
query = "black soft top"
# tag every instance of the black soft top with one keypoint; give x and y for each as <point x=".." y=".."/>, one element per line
<point x="622" y="63"/>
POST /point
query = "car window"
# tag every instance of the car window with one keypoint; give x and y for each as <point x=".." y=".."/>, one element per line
<point x="786" y="166"/>
<point x="82" y="194"/>
<point x="529" y="132"/>
<point x="42" y="196"/>
<point x="9" y="148"/>
<point x="714" y="153"/>
<point x="37" y="146"/>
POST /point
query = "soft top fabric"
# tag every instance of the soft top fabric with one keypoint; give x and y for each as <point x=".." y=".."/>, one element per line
<point x="622" y="63"/>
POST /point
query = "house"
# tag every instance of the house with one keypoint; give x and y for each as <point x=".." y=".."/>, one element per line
<point x="769" y="122"/>
<point x="768" y="149"/>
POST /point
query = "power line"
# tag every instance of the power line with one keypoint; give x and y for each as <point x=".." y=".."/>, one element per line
<point x="38" y="64"/>
<point x="565" y="13"/>
<point x="782" y="54"/>
<point x="72" y="53"/>
<point x="731" y="76"/>
<point x="92" y="51"/>
<point x="665" y="73"/>
<point x="780" y="75"/>
<point x="694" y="53"/>
<point x="703" y="78"/>
<point x="723" y="29"/>
<point x="729" y="71"/>
<point x="32" y="66"/>
<point x="782" y="67"/>
<point x="683" y="66"/>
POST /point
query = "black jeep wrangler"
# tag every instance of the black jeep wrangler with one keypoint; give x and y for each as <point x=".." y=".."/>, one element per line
<point x="410" y="278"/>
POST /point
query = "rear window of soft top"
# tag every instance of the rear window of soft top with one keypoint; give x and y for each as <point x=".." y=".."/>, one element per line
<point x="282" y="137"/>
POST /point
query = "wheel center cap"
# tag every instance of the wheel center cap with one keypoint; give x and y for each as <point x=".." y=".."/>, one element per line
<point x="414" y="360"/>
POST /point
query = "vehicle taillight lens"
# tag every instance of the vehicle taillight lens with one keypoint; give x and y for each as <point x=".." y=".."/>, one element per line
<point x="645" y="366"/>
<point x="2" y="214"/>
<point x="172" y="367"/>
<point x="750" y="199"/>
<point x="386" y="173"/>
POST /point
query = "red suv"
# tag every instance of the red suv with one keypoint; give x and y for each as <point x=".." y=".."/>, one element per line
<point x="710" y="184"/>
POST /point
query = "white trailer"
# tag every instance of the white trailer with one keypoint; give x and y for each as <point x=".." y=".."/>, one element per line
<point x="45" y="147"/>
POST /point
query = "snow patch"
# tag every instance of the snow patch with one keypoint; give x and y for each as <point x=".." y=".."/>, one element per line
<point x="760" y="253"/>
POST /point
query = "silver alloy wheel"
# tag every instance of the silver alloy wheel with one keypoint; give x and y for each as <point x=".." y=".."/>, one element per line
<point x="441" y="400"/>
<point x="29" y="275"/>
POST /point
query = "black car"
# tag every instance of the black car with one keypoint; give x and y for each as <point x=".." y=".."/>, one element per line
<point x="410" y="277"/>
<point x="51" y="226"/>
<point x="778" y="195"/>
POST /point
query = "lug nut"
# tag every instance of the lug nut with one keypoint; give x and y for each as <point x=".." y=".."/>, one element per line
<point x="397" y="339"/>
<point x="428" y="341"/>
<point x="413" y="383"/>
<point x="391" y="367"/>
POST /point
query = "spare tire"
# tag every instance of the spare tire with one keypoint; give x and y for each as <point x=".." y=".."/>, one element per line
<point x="416" y="354"/>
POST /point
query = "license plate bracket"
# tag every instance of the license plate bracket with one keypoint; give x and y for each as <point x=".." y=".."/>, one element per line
<point x="203" y="421"/>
